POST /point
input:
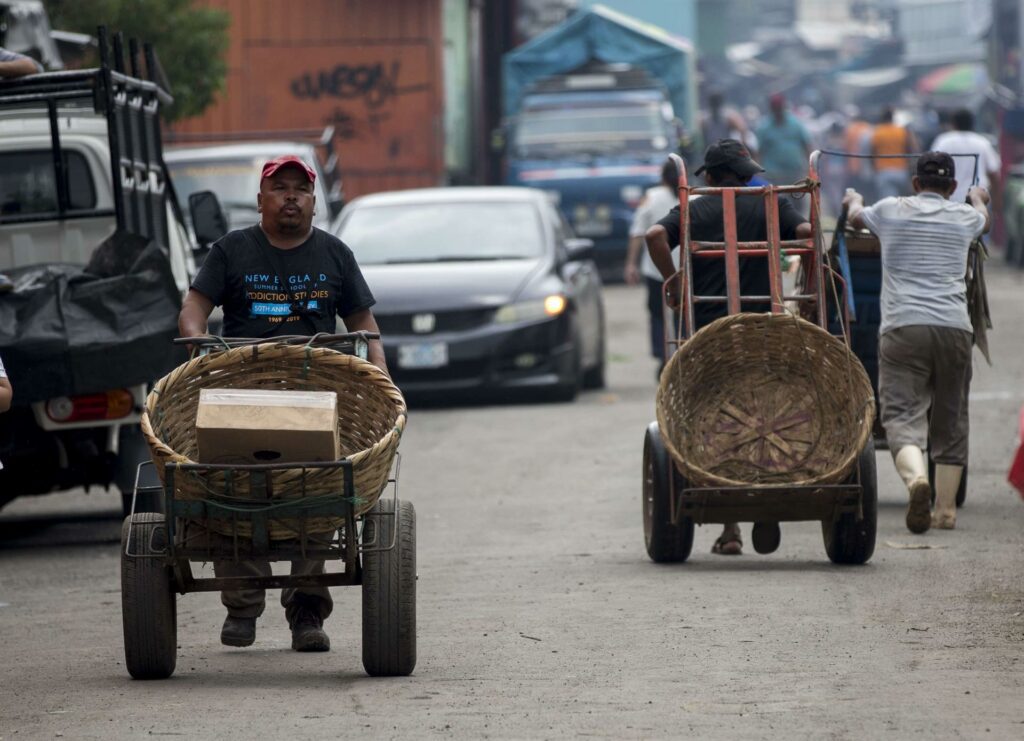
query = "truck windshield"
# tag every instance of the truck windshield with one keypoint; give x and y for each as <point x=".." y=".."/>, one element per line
<point x="547" y="132"/>
<point x="445" y="231"/>
<point x="236" y="182"/>
<point x="28" y="186"/>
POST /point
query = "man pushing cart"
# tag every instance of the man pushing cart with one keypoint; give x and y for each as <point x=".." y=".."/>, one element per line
<point x="761" y="416"/>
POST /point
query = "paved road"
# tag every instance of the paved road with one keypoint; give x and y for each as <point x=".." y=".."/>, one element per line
<point x="539" y="613"/>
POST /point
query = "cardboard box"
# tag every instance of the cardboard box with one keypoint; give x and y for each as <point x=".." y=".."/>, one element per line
<point x="262" y="426"/>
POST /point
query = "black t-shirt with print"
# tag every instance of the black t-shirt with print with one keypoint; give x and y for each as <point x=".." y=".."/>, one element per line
<point x="322" y="274"/>
<point x="706" y="225"/>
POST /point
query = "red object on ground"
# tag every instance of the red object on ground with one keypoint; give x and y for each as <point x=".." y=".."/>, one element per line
<point x="1016" y="475"/>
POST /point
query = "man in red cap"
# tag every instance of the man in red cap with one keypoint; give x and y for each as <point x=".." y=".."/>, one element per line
<point x="280" y="277"/>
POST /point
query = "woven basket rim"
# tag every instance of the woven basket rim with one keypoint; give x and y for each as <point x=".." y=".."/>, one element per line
<point x="707" y="334"/>
<point x="321" y="353"/>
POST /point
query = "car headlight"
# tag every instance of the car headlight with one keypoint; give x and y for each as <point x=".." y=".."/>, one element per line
<point x="531" y="311"/>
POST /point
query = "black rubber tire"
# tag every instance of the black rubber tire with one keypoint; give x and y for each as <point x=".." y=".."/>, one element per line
<point x="389" y="592"/>
<point x="847" y="539"/>
<point x="665" y="542"/>
<point x="148" y="604"/>
<point x="961" y="493"/>
<point x="568" y="389"/>
<point x="594" y="378"/>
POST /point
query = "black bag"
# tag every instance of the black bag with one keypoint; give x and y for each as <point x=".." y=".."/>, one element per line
<point x="64" y="331"/>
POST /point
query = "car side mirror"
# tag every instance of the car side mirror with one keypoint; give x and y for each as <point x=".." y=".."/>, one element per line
<point x="579" y="249"/>
<point x="208" y="220"/>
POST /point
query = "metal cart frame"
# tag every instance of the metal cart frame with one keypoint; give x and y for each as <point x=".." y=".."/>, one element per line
<point x="847" y="510"/>
<point x="376" y="547"/>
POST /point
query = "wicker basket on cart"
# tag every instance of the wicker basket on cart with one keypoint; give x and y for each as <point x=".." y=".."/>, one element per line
<point x="371" y="418"/>
<point x="764" y="399"/>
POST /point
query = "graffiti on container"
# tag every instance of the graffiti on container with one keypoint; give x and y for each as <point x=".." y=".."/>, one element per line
<point x="375" y="84"/>
<point x="348" y="127"/>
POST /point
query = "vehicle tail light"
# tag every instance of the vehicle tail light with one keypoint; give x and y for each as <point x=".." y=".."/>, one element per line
<point x="91" y="407"/>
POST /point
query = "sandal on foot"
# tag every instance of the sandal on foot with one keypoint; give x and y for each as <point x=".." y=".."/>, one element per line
<point x="728" y="544"/>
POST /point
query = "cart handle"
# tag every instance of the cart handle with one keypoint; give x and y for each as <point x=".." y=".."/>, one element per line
<point x="322" y="338"/>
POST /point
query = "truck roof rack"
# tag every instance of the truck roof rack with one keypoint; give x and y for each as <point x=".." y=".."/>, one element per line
<point x="131" y="104"/>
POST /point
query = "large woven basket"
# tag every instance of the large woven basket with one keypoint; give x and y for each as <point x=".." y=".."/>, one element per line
<point x="764" y="399"/>
<point x="371" y="418"/>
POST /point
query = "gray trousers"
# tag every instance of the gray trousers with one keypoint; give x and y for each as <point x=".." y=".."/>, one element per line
<point x="920" y="368"/>
<point x="251" y="602"/>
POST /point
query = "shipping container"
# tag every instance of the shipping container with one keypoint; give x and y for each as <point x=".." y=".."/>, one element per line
<point x="371" y="69"/>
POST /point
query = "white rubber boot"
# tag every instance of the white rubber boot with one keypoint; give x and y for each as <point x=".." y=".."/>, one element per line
<point x="947" y="481"/>
<point x="914" y="472"/>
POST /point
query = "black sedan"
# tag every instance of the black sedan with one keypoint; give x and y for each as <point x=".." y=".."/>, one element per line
<point x="479" y="287"/>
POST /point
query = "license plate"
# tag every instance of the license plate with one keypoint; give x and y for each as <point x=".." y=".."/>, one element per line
<point x="593" y="228"/>
<point x="423" y="355"/>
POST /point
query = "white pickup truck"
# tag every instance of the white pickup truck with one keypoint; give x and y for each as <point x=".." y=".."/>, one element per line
<point x="83" y="191"/>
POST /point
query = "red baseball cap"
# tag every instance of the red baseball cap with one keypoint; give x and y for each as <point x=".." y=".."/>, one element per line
<point x="287" y="160"/>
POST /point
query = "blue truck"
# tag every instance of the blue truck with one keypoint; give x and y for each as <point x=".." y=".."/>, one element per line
<point x="593" y="123"/>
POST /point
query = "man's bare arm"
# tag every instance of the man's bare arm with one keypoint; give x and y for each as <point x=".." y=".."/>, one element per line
<point x="979" y="198"/>
<point x="6" y="394"/>
<point x="18" y="68"/>
<point x="854" y="203"/>
<point x="363" y="321"/>
<point x="661" y="254"/>
<point x="195" y="313"/>
<point x="631" y="272"/>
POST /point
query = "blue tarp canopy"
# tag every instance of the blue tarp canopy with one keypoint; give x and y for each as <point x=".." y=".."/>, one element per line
<point x="604" y="35"/>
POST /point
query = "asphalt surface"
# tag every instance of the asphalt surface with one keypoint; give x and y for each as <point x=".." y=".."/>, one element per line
<point x="540" y="615"/>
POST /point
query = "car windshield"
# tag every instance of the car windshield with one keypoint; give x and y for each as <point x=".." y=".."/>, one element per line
<point x="443" y="232"/>
<point x="236" y="182"/>
<point x="590" y="129"/>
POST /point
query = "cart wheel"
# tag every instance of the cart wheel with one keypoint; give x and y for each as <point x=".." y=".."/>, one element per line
<point x="961" y="493"/>
<point x="847" y="539"/>
<point x="389" y="591"/>
<point x="148" y="605"/>
<point x="666" y="543"/>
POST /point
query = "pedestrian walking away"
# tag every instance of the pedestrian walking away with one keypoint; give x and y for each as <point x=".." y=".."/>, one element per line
<point x="891" y="172"/>
<point x="925" y="335"/>
<point x="280" y="277"/>
<point x="657" y="202"/>
<point x="963" y="139"/>
<point x="727" y="163"/>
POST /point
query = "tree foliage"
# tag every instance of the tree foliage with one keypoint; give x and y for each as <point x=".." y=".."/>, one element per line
<point x="190" y="41"/>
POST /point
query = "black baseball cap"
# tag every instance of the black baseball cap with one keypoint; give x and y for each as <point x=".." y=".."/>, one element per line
<point x="936" y="165"/>
<point x="731" y="154"/>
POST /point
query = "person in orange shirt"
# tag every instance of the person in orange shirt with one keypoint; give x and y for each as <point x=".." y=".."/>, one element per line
<point x="891" y="175"/>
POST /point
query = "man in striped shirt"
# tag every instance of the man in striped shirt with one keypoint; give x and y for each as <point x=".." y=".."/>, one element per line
<point x="925" y="338"/>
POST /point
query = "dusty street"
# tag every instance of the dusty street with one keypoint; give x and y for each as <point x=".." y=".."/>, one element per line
<point x="540" y="615"/>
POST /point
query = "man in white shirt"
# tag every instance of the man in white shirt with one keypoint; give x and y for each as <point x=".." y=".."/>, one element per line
<point x="925" y="337"/>
<point x="964" y="140"/>
<point x="657" y="202"/>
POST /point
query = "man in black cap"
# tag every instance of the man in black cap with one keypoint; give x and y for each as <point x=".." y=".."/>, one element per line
<point x="727" y="164"/>
<point x="925" y="336"/>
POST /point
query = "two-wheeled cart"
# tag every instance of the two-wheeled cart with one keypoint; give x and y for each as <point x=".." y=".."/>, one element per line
<point x="763" y="417"/>
<point x="331" y="511"/>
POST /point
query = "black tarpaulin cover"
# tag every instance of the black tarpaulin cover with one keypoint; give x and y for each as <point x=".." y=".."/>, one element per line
<point x="67" y="330"/>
